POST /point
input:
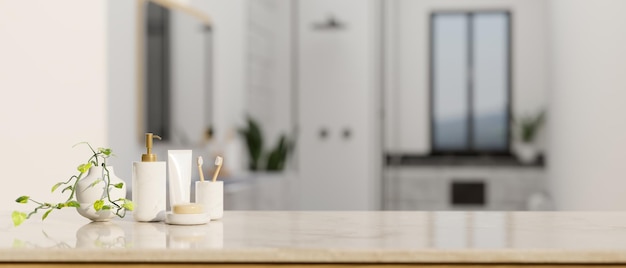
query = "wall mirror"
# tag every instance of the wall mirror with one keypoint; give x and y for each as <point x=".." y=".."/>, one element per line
<point x="176" y="72"/>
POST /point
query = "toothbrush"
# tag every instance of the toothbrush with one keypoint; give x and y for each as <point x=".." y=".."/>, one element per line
<point x="200" y="168"/>
<point x="218" y="163"/>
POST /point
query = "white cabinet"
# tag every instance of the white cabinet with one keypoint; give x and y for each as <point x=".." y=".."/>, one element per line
<point x="429" y="188"/>
<point x="338" y="102"/>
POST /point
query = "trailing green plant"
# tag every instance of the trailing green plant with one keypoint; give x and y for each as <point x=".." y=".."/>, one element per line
<point x="254" y="139"/>
<point x="98" y="158"/>
<point x="529" y="126"/>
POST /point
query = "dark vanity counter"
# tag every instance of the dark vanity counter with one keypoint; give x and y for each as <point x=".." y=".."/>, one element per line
<point x="394" y="160"/>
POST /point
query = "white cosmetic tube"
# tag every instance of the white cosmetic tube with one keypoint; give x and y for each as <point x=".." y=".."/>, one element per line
<point x="179" y="169"/>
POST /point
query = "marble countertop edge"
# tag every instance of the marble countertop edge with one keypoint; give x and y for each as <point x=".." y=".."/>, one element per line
<point x="427" y="256"/>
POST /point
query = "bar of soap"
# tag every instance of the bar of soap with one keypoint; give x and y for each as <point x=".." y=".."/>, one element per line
<point x="188" y="208"/>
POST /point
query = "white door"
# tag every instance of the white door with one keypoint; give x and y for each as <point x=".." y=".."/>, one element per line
<point x="338" y="105"/>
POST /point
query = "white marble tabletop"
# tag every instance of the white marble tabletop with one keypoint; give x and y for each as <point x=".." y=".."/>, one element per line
<point x="326" y="237"/>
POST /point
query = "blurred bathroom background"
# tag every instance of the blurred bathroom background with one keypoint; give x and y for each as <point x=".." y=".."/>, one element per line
<point x="326" y="104"/>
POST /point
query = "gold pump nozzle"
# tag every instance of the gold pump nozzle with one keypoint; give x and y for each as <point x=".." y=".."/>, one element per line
<point x="149" y="156"/>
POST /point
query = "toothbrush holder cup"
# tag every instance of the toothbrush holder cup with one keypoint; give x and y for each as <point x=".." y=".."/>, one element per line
<point x="211" y="195"/>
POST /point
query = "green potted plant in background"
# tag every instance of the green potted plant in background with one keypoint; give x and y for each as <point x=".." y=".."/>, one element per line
<point x="527" y="129"/>
<point x="96" y="192"/>
<point x="275" y="159"/>
<point x="254" y="142"/>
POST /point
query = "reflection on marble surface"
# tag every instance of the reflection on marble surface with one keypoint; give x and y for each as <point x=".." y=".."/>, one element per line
<point x="100" y="235"/>
<point x="148" y="235"/>
<point x="346" y="236"/>
<point x="376" y="230"/>
<point x="469" y="230"/>
<point x="210" y="235"/>
<point x="114" y="234"/>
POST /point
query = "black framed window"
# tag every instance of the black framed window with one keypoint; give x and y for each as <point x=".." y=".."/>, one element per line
<point x="470" y="83"/>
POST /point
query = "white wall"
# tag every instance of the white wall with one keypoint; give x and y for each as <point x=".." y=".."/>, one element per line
<point x="338" y="89"/>
<point x="53" y="83"/>
<point x="268" y="67"/>
<point x="122" y="108"/>
<point x="407" y="115"/>
<point x="587" y="126"/>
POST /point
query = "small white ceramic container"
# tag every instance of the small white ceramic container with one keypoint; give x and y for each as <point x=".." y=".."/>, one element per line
<point x="187" y="214"/>
<point x="186" y="219"/>
<point x="211" y="196"/>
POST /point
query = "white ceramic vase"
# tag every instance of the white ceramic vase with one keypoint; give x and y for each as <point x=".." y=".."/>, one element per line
<point x="527" y="153"/>
<point x="92" y="188"/>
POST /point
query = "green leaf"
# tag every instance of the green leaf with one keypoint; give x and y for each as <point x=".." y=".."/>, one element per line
<point x="106" y="207"/>
<point x="72" y="203"/>
<point x="128" y="205"/>
<point x="98" y="205"/>
<point x="84" y="167"/>
<point x="18" y="243"/>
<point x="105" y="151"/>
<point x="56" y="186"/>
<point x="22" y="199"/>
<point x="254" y="140"/>
<point x="45" y="215"/>
<point x="95" y="182"/>
<point x="119" y="185"/>
<point x="45" y="234"/>
<point x="18" y="217"/>
<point x="67" y="188"/>
<point x="82" y="142"/>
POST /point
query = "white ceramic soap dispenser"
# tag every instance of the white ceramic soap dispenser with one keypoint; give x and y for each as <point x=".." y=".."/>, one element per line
<point x="149" y="183"/>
